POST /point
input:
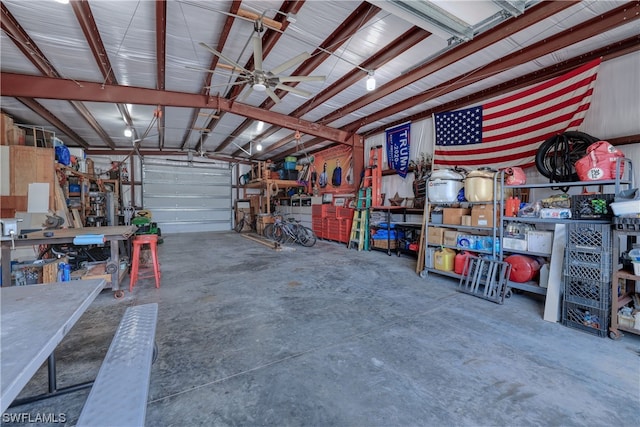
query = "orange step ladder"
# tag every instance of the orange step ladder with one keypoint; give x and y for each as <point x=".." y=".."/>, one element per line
<point x="373" y="175"/>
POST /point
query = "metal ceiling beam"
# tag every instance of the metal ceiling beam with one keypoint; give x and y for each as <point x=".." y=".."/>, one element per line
<point x="150" y="152"/>
<point x="161" y="58"/>
<point x="31" y="50"/>
<point x="429" y="16"/>
<point x="534" y="15"/>
<point x="51" y="118"/>
<point x="403" y="42"/>
<point x="269" y="41"/>
<point x="349" y="27"/>
<point x="89" y="27"/>
<point x="23" y="42"/>
<point x="598" y="25"/>
<point x="512" y="7"/>
<point x="16" y="85"/>
<point x="623" y="47"/>
<point x="224" y="35"/>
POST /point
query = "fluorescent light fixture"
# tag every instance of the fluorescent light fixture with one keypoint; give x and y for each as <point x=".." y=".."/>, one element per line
<point x="371" y="81"/>
<point x="428" y="16"/>
<point x="260" y="87"/>
<point x="128" y="132"/>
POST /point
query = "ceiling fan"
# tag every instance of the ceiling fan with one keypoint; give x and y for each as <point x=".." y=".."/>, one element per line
<point x="267" y="81"/>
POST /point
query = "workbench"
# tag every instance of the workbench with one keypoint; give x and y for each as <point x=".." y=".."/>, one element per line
<point x="112" y="235"/>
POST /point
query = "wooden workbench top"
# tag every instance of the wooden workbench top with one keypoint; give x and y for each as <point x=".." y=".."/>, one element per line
<point x="119" y="230"/>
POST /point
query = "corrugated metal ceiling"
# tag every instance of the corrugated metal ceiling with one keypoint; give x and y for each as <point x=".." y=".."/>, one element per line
<point x="101" y="46"/>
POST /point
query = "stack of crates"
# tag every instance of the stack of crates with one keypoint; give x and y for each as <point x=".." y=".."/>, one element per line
<point x="587" y="278"/>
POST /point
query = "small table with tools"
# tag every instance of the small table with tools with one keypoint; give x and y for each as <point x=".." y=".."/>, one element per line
<point x="30" y="331"/>
<point x="112" y="235"/>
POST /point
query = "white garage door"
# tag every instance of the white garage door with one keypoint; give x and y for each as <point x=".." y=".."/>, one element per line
<point x="185" y="197"/>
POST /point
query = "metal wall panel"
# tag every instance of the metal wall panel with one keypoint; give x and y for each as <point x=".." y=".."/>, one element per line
<point x="184" y="197"/>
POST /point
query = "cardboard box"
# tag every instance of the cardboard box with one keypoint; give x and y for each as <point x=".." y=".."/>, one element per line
<point x="515" y="244"/>
<point x="15" y="136"/>
<point x="482" y="216"/>
<point x="466" y="220"/>
<point x="540" y="241"/>
<point x="451" y="238"/>
<point x="453" y="216"/>
<point x="6" y="124"/>
<point x="555" y="213"/>
<point x="435" y="235"/>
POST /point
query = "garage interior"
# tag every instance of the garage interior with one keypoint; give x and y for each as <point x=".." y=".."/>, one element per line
<point x="191" y="115"/>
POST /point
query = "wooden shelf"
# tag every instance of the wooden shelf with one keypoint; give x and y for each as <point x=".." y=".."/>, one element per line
<point x="282" y="183"/>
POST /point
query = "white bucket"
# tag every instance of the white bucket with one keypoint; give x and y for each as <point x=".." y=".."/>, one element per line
<point x="444" y="185"/>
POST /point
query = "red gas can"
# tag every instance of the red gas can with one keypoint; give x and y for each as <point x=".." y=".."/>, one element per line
<point x="459" y="262"/>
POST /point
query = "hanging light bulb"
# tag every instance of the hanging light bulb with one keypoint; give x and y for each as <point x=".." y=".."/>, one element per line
<point x="128" y="132"/>
<point x="371" y="81"/>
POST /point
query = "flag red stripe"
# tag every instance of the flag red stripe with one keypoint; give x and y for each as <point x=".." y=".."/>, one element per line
<point x="544" y="85"/>
<point x="541" y="125"/>
<point x="482" y="162"/>
<point x="545" y="99"/>
<point x="523" y="119"/>
<point x="491" y="148"/>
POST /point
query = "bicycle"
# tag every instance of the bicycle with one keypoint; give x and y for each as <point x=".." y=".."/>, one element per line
<point x="244" y="221"/>
<point x="556" y="157"/>
<point x="290" y="231"/>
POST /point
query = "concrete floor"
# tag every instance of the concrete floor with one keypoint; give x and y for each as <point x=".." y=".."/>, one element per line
<point x="326" y="336"/>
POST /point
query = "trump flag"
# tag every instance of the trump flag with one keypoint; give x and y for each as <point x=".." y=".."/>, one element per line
<point x="508" y="131"/>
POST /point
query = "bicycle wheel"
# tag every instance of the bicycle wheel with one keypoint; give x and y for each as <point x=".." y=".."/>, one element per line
<point x="239" y="225"/>
<point x="556" y="157"/>
<point x="268" y="231"/>
<point x="278" y="234"/>
<point x="306" y="236"/>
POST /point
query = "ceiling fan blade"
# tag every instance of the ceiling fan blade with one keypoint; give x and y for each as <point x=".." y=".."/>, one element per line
<point x="293" y="90"/>
<point x="246" y="94"/>
<point x="227" y="84"/>
<point x="227" y="69"/>
<point x="257" y="52"/>
<point x="221" y="56"/>
<point x="290" y="63"/>
<point x="289" y="79"/>
<point x="272" y="95"/>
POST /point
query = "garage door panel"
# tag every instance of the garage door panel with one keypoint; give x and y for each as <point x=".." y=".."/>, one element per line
<point x="186" y="191"/>
<point x="184" y="198"/>
<point x="171" y="215"/>
<point x="186" y="203"/>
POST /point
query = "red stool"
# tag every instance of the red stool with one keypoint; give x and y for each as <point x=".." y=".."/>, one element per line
<point x="138" y="242"/>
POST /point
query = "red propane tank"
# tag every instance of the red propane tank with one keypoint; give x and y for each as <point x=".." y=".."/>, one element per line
<point x="459" y="261"/>
<point x="523" y="268"/>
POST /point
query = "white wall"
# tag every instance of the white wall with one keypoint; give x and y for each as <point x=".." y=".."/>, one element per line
<point x="614" y="112"/>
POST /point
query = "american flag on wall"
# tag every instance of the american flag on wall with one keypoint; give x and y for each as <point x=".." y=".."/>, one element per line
<point x="508" y="131"/>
